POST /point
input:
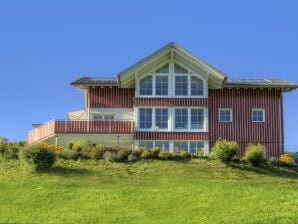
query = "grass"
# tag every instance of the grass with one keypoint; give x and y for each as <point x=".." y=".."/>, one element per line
<point x="197" y="191"/>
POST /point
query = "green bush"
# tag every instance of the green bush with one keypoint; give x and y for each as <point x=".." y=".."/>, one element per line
<point x="164" y="155"/>
<point x="272" y="161"/>
<point x="76" y="147"/>
<point x="96" y="153"/>
<point x="224" y="150"/>
<point x="9" y="150"/>
<point x="70" y="145"/>
<point x="122" y="154"/>
<point x="254" y="154"/>
<point x="146" y="154"/>
<point x="184" y="154"/>
<point x="68" y="154"/>
<point x="155" y="151"/>
<point x="37" y="157"/>
<point x="111" y="156"/>
<point x="132" y="158"/>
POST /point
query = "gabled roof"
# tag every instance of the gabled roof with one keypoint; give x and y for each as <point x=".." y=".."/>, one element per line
<point x="171" y="50"/>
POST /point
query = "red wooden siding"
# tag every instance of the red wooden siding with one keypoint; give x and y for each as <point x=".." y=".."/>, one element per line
<point x="242" y="129"/>
<point x="170" y="102"/>
<point x="111" y="97"/>
<point x="171" y="135"/>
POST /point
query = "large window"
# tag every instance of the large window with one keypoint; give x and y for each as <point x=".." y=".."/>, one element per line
<point x="258" y="115"/>
<point x="159" y="82"/>
<point x="145" y="118"/>
<point x="161" y="118"/>
<point x="181" y="145"/>
<point x="161" y="85"/>
<point x="197" y="119"/>
<point x="146" y="86"/>
<point x="225" y="115"/>
<point x="163" y="145"/>
<point x="146" y="144"/>
<point x="181" y="118"/>
<point x="181" y="85"/>
<point x="197" y="86"/>
<point x="196" y="147"/>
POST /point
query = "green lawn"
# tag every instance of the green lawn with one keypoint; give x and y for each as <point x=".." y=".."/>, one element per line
<point x="197" y="191"/>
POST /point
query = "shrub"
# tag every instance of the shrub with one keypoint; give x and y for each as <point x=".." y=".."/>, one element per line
<point x="96" y="153"/>
<point x="76" y="147"/>
<point x="155" y="152"/>
<point x="254" y="154"/>
<point x="146" y="154"/>
<point x="224" y="150"/>
<point x="9" y="150"/>
<point x="184" y="154"/>
<point x="286" y="160"/>
<point x="132" y="158"/>
<point x="68" y="154"/>
<point x="37" y="157"/>
<point x="272" y="161"/>
<point x="122" y="154"/>
<point x="70" y="145"/>
<point x="111" y="156"/>
<point x="164" y="155"/>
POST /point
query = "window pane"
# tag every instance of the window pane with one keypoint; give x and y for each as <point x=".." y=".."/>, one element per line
<point x="179" y="69"/>
<point x="163" y="69"/>
<point x="258" y="115"/>
<point x="197" y="118"/>
<point x="98" y="117"/>
<point x="163" y="145"/>
<point x="225" y="115"/>
<point x="161" y="118"/>
<point x="181" y="145"/>
<point x="161" y="85"/>
<point x="146" y="144"/>
<point x="109" y="117"/>
<point x="181" y="86"/>
<point x="181" y="119"/>
<point x="197" y="86"/>
<point x="146" y="86"/>
<point x="145" y="118"/>
<point x="195" y="147"/>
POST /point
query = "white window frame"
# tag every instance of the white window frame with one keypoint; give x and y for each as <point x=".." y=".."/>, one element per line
<point x="189" y="129"/>
<point x="225" y="109"/>
<point x="258" y="109"/>
<point x="171" y="144"/>
<point x="171" y="82"/>
<point x="103" y="115"/>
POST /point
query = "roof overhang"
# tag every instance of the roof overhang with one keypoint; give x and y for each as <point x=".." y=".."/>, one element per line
<point x="127" y="77"/>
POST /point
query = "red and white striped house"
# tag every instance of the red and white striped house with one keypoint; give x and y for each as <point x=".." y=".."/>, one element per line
<point x="173" y="100"/>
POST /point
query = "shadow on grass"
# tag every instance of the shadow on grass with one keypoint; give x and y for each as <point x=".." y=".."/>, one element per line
<point x="274" y="171"/>
<point x="68" y="171"/>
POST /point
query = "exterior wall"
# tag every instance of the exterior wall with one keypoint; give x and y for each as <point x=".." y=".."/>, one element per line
<point x="125" y="140"/>
<point x="171" y="136"/>
<point x="171" y="102"/>
<point x="119" y="113"/>
<point x="242" y="129"/>
<point x="111" y="97"/>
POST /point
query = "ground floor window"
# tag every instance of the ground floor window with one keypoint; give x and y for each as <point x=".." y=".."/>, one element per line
<point x="192" y="147"/>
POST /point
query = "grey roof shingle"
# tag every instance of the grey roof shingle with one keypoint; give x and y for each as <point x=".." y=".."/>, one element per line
<point x="86" y="81"/>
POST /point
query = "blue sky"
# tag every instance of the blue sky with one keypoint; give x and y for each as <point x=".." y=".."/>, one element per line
<point x="46" y="45"/>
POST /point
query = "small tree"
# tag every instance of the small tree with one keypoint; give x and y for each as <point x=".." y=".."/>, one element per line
<point x="254" y="154"/>
<point x="224" y="150"/>
<point x="3" y="140"/>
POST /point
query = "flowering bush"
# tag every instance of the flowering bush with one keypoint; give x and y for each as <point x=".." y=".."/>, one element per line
<point x="224" y="150"/>
<point x="254" y="154"/>
<point x="286" y="160"/>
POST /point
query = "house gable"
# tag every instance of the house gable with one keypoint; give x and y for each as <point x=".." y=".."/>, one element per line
<point x="168" y="53"/>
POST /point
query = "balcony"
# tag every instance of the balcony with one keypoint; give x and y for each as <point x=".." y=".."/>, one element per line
<point x="80" y="127"/>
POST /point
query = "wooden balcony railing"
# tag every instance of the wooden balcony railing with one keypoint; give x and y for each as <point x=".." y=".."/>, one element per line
<point x="80" y="127"/>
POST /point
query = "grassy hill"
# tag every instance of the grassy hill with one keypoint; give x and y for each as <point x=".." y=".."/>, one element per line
<point x="197" y="191"/>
